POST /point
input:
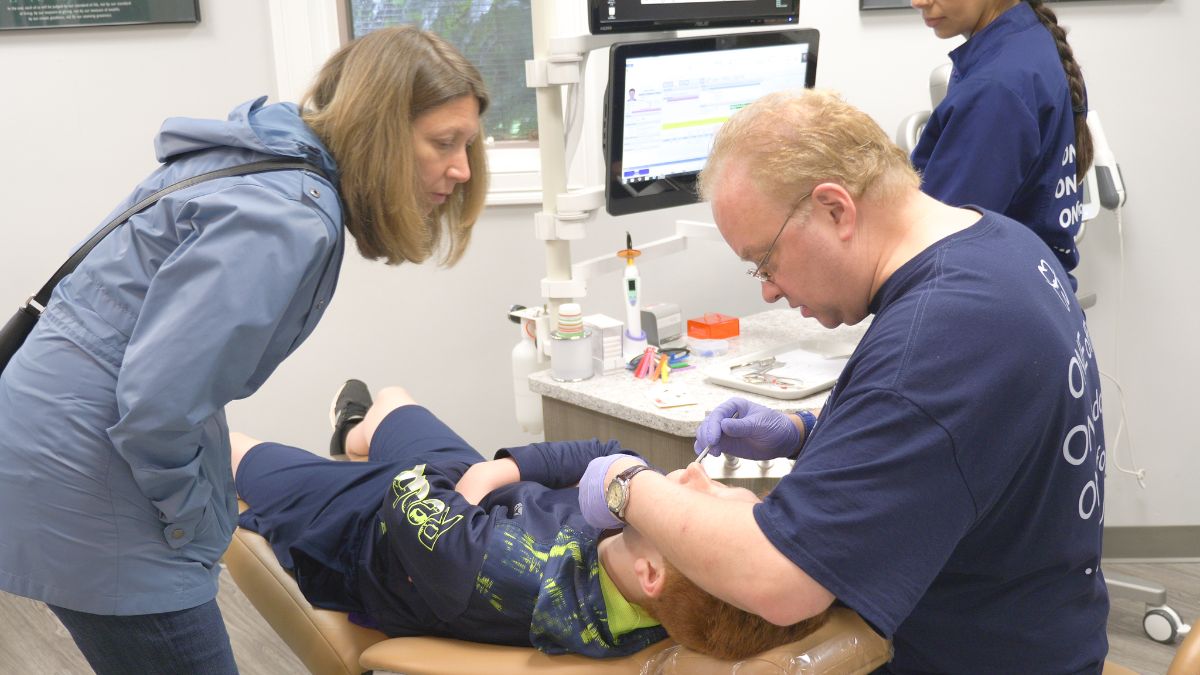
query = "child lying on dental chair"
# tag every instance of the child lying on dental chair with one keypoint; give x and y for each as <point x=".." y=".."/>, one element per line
<point x="424" y="537"/>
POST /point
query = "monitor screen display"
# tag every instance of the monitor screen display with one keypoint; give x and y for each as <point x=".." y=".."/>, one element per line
<point x="667" y="99"/>
<point x="624" y="16"/>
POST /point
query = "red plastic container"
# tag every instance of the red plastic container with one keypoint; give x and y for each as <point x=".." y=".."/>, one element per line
<point x="713" y="326"/>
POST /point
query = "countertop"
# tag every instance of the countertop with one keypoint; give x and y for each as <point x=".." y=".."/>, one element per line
<point x="628" y="398"/>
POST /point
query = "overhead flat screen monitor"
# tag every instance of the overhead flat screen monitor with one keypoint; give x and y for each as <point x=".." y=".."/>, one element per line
<point x="666" y="100"/>
<point x="626" y="16"/>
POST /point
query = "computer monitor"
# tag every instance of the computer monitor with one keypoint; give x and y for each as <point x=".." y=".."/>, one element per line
<point x="626" y="16"/>
<point x="666" y="99"/>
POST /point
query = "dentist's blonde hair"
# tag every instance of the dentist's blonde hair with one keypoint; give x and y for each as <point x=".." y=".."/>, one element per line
<point x="792" y="141"/>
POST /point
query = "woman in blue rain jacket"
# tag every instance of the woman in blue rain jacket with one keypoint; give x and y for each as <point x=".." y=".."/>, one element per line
<point x="116" y="497"/>
<point x="1011" y="134"/>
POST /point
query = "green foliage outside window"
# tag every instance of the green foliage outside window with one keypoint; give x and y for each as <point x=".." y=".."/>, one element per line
<point x="495" y="35"/>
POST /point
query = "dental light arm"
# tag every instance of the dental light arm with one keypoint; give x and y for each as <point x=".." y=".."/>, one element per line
<point x="912" y="125"/>
<point x="1103" y="185"/>
<point x="1109" y="184"/>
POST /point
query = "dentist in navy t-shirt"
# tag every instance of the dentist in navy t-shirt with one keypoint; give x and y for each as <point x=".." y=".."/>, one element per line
<point x="952" y="491"/>
<point x="1011" y="134"/>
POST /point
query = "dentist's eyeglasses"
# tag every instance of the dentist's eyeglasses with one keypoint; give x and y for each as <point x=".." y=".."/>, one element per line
<point x="758" y="271"/>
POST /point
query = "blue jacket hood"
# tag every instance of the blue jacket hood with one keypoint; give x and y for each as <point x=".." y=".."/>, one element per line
<point x="274" y="129"/>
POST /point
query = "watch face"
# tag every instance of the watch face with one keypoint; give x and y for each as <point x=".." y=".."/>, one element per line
<point x="612" y="496"/>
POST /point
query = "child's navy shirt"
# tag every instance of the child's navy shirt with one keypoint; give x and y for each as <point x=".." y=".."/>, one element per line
<point x="521" y="568"/>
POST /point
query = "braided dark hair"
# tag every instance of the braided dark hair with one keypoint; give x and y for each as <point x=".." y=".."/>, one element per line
<point x="1083" y="137"/>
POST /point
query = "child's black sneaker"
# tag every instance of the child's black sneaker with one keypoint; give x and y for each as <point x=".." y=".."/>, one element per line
<point x="350" y="405"/>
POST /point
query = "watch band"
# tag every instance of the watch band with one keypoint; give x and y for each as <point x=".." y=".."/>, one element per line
<point x="810" y="422"/>
<point x="624" y="479"/>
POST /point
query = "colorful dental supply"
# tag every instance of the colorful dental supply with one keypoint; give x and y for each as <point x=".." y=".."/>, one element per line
<point x="570" y="319"/>
<point x="646" y="362"/>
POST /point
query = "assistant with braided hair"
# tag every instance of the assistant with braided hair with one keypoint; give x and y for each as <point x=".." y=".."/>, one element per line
<point x="1011" y="135"/>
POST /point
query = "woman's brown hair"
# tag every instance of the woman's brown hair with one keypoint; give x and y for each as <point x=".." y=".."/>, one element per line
<point x="362" y="106"/>
<point x="701" y="622"/>
<point x="1083" y="137"/>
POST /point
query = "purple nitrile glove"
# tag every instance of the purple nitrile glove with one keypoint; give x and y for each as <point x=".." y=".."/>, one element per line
<point x="591" y="492"/>
<point x="748" y="430"/>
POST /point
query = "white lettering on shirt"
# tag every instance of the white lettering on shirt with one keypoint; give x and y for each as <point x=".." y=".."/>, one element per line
<point x="428" y="515"/>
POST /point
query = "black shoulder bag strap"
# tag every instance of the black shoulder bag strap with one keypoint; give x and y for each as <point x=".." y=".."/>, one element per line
<point x="19" y="326"/>
<point x="283" y="164"/>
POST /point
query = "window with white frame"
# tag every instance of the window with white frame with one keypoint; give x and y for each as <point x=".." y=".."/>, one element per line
<point x="306" y="32"/>
<point x="495" y="35"/>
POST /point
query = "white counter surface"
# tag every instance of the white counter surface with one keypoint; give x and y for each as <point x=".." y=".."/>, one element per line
<point x="623" y="396"/>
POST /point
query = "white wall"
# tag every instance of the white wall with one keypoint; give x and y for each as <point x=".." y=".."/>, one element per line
<point x="443" y="333"/>
<point x="80" y="107"/>
<point x="1133" y="56"/>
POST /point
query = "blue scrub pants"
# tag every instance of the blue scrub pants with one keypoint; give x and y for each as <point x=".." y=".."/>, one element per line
<point x="187" y="642"/>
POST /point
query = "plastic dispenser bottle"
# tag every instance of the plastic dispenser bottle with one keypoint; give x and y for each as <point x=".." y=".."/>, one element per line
<point x="524" y="363"/>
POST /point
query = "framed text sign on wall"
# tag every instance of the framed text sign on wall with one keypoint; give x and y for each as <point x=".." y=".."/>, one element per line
<point x="18" y="14"/>
<point x="894" y="4"/>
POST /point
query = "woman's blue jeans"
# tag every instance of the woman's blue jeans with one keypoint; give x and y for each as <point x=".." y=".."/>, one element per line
<point x="188" y="642"/>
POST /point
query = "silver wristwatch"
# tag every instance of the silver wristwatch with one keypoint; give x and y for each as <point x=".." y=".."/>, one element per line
<point x="616" y="495"/>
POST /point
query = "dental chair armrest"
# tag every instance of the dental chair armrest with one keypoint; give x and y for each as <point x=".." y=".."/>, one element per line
<point x="1187" y="657"/>
<point x="844" y="645"/>
<point x="444" y="656"/>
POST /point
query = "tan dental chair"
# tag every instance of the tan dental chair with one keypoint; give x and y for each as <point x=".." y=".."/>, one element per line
<point x="328" y="643"/>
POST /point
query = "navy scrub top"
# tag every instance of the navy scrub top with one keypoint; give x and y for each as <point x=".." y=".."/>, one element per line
<point x="1004" y="136"/>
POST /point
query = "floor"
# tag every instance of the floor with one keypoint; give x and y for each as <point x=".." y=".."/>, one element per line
<point x="32" y="642"/>
<point x="1127" y="644"/>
